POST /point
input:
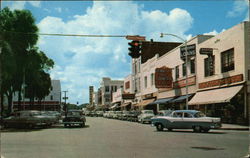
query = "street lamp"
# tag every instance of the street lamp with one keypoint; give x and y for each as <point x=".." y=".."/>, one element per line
<point x="186" y="60"/>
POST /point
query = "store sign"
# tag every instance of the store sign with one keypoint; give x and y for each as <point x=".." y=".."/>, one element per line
<point x="127" y="85"/>
<point x="182" y="83"/>
<point x="191" y="51"/>
<point x="206" y="51"/>
<point x="128" y="96"/>
<point x="163" y="77"/>
<point x="220" y="82"/>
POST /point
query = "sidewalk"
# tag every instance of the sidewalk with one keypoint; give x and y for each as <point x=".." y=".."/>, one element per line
<point x="233" y="127"/>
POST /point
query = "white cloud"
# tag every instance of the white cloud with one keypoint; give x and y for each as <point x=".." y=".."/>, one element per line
<point x="81" y="62"/>
<point x="214" y="32"/>
<point x="35" y="3"/>
<point x="19" y="5"/>
<point x="239" y="7"/>
<point x="59" y="10"/>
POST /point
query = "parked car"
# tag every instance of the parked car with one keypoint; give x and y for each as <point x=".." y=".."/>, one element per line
<point x="99" y="113"/>
<point x="186" y="119"/>
<point x="74" y="117"/>
<point x="119" y="114"/>
<point x="52" y="116"/>
<point x="145" y="116"/>
<point x="28" y="118"/>
<point x="133" y="116"/>
<point x="125" y="115"/>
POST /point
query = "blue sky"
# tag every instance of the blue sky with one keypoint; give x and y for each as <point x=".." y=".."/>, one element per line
<point x="81" y="62"/>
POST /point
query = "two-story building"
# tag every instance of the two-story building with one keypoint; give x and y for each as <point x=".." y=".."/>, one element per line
<point x="223" y="75"/>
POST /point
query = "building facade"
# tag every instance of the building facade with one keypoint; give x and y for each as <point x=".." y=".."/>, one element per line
<point x="223" y="75"/>
<point x="216" y="66"/>
<point x="107" y="87"/>
<point x="91" y="93"/>
<point x="50" y="102"/>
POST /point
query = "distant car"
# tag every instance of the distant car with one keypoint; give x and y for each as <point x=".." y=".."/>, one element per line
<point x="99" y="113"/>
<point x="186" y="119"/>
<point x="28" y="118"/>
<point x="125" y="115"/>
<point x="145" y="116"/>
<point x="133" y="116"/>
<point x="74" y="117"/>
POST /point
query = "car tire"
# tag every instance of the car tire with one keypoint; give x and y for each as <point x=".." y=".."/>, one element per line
<point x="30" y="126"/>
<point x="205" y="130"/>
<point x="170" y="129"/>
<point x="159" y="127"/>
<point x="197" y="128"/>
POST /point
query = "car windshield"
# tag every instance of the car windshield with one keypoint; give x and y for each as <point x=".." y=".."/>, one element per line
<point x="199" y="114"/>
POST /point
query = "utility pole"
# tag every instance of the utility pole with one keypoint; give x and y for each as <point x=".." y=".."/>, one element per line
<point x="65" y="102"/>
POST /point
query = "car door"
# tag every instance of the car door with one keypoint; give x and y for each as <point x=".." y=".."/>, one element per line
<point x="188" y="120"/>
<point x="176" y="120"/>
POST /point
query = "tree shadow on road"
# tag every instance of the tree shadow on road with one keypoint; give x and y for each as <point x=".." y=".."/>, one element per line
<point x="13" y="130"/>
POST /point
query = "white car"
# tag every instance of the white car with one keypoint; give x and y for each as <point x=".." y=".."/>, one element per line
<point x="186" y="119"/>
<point x="145" y="116"/>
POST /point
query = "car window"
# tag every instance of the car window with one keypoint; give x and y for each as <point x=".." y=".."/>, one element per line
<point x="199" y="114"/>
<point x="148" y="112"/>
<point x="177" y="114"/>
<point x="187" y="115"/>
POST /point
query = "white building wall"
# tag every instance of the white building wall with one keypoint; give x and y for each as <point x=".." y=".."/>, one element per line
<point x="231" y="38"/>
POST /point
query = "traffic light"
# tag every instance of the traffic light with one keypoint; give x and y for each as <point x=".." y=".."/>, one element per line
<point x="134" y="49"/>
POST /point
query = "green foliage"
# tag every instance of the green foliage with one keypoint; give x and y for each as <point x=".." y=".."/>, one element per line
<point x="21" y="60"/>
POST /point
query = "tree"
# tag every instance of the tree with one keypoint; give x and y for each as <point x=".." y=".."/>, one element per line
<point x="21" y="60"/>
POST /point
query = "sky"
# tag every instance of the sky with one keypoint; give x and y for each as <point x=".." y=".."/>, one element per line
<point x="82" y="62"/>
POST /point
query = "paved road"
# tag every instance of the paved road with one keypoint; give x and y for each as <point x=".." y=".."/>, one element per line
<point x="105" y="138"/>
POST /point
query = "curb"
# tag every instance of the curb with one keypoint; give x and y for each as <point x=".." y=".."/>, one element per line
<point x="238" y="129"/>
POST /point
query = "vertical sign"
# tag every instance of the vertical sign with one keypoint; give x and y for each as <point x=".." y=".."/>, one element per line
<point x="163" y="77"/>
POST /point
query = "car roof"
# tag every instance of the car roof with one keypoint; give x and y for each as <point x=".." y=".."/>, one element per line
<point x="188" y="111"/>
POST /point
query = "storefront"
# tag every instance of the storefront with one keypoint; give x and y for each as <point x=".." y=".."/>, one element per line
<point x="226" y="103"/>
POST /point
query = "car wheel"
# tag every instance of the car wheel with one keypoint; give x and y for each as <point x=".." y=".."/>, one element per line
<point x="170" y="129"/>
<point x="65" y="125"/>
<point x="197" y="128"/>
<point x="159" y="127"/>
<point x="205" y="130"/>
<point x="30" y="126"/>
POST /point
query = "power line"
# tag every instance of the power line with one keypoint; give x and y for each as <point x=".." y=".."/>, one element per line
<point x="61" y="34"/>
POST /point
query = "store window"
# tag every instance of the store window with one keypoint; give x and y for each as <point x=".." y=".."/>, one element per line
<point x="184" y="72"/>
<point x="209" y="66"/>
<point x="192" y="66"/>
<point x="152" y="79"/>
<point x="227" y="60"/>
<point x="106" y="88"/>
<point x="145" y="82"/>
<point x="176" y="72"/>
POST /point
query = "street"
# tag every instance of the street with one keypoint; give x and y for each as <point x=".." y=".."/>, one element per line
<point x="107" y="138"/>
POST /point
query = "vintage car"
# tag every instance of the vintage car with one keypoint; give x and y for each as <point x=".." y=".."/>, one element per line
<point x="29" y="118"/>
<point x="145" y="116"/>
<point x="133" y="116"/>
<point x="74" y="117"/>
<point x="186" y="119"/>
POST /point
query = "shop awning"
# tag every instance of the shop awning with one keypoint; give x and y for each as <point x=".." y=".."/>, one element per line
<point x="221" y="95"/>
<point x="145" y="102"/>
<point x="162" y="101"/>
<point x="181" y="98"/>
<point x="125" y="104"/>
